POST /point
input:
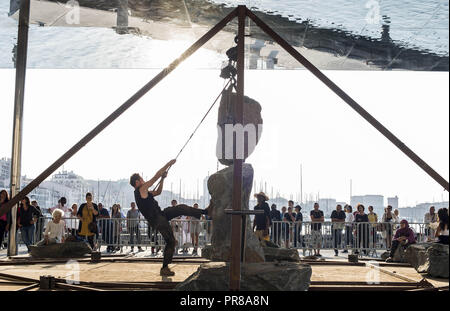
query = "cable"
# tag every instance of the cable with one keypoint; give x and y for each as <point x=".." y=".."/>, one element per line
<point x="200" y="123"/>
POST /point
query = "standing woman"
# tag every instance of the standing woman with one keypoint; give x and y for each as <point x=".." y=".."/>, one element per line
<point x="27" y="216"/>
<point x="373" y="219"/>
<point x="4" y="198"/>
<point x="388" y="218"/>
<point x="87" y="214"/>
<point x="117" y="226"/>
<point x="362" y="229"/>
<point x="349" y="218"/>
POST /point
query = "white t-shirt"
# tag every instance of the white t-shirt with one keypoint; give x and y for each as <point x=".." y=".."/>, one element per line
<point x="56" y="231"/>
<point x="71" y="221"/>
<point x="349" y="217"/>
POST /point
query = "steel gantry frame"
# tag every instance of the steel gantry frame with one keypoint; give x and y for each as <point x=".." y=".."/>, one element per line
<point x="242" y="13"/>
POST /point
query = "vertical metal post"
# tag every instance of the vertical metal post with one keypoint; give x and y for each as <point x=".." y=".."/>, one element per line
<point x="21" y="67"/>
<point x="236" y="220"/>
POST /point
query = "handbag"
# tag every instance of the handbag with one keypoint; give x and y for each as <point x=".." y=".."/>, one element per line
<point x="92" y="227"/>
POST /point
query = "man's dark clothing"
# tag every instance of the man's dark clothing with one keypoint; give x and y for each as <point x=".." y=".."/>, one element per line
<point x="261" y="220"/>
<point x="159" y="220"/>
<point x="337" y="228"/>
<point x="298" y="230"/>
<point x="316" y="214"/>
<point x="275" y="216"/>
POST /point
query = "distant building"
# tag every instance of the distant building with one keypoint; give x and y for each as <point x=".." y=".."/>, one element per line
<point x="377" y="201"/>
<point x="327" y="205"/>
<point x="393" y="202"/>
<point x="5" y="169"/>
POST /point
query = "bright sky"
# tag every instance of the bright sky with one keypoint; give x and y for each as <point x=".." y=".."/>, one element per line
<point x="304" y="123"/>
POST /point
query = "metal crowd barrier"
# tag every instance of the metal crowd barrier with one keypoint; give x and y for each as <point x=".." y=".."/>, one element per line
<point x="359" y="237"/>
<point x="117" y="233"/>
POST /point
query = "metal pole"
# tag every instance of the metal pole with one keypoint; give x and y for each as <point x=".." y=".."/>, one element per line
<point x="113" y="116"/>
<point x="21" y="68"/>
<point x="236" y="220"/>
<point x="350" y="101"/>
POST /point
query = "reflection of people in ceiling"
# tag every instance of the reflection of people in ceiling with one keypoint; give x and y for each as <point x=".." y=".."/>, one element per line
<point x="385" y="37"/>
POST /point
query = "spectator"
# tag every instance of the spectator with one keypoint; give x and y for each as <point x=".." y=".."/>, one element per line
<point x="194" y="229"/>
<point x="40" y="221"/>
<point x="284" y="226"/>
<point x="55" y="230"/>
<point x="362" y="229"/>
<point x="388" y="219"/>
<point x="403" y="237"/>
<point x="87" y="214"/>
<point x="349" y="218"/>
<point x="183" y="226"/>
<point x="298" y="226"/>
<point x="430" y="217"/>
<point x="61" y="205"/>
<point x="133" y="216"/>
<point x="373" y="219"/>
<point x="275" y="216"/>
<point x="26" y="218"/>
<point x="317" y="218"/>
<point x="289" y="217"/>
<point x="262" y="221"/>
<point x="4" y="198"/>
<point x="116" y="218"/>
<point x="442" y="229"/>
<point x="338" y="219"/>
<point x="71" y="221"/>
<point x="104" y="224"/>
<point x="396" y="219"/>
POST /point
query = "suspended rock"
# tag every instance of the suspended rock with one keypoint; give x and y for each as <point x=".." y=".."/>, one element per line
<point x="220" y="186"/>
<point x="430" y="258"/>
<point x="285" y="276"/>
<point x="252" y="125"/>
<point x="61" y="250"/>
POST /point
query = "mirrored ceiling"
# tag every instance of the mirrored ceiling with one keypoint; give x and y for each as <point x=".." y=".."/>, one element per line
<point x="337" y="35"/>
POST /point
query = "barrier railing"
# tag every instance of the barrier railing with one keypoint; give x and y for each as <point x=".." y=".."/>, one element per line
<point x="116" y="233"/>
<point x="359" y="237"/>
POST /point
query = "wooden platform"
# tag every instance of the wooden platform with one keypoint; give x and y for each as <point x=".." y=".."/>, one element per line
<point x="143" y="274"/>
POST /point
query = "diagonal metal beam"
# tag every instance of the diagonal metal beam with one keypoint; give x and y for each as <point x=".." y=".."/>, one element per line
<point x="113" y="116"/>
<point x="350" y="101"/>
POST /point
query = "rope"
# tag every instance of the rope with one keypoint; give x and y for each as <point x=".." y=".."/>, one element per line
<point x="200" y="123"/>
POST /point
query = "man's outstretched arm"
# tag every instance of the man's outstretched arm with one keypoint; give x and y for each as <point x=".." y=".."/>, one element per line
<point x="158" y="175"/>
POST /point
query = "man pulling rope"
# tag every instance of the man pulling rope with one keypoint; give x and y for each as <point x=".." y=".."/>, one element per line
<point x="158" y="219"/>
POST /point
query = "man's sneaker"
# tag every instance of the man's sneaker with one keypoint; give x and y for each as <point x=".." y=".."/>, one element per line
<point x="336" y="254"/>
<point x="166" y="272"/>
<point x="318" y="255"/>
<point x="140" y="249"/>
<point x="390" y="259"/>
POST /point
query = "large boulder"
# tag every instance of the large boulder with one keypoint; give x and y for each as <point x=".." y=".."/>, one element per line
<point x="430" y="258"/>
<point x="61" y="250"/>
<point x="252" y="122"/>
<point x="285" y="276"/>
<point x="220" y="186"/>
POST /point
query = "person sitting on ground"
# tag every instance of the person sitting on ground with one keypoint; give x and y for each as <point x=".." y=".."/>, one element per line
<point x="158" y="219"/>
<point x="403" y="237"/>
<point x="442" y="229"/>
<point x="55" y="229"/>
